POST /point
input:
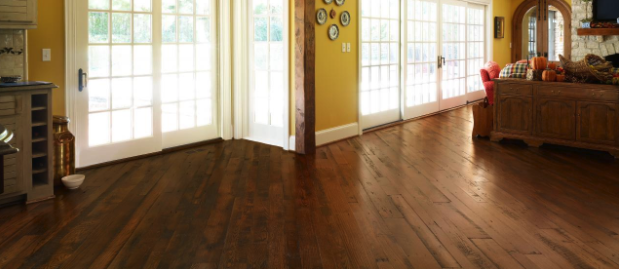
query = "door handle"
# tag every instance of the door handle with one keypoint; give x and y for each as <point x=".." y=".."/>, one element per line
<point x="440" y="62"/>
<point x="82" y="82"/>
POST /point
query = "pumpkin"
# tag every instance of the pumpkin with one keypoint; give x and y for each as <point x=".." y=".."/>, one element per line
<point x="552" y="65"/>
<point x="549" y="75"/>
<point x="560" y="78"/>
<point x="539" y="63"/>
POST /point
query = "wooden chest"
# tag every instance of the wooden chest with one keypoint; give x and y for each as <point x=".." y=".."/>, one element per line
<point x="577" y="115"/>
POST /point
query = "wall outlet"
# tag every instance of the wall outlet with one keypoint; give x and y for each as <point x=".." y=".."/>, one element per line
<point x="47" y="55"/>
<point x="348" y="47"/>
<point x="343" y="47"/>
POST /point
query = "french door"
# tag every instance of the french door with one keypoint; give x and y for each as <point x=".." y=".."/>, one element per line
<point x="149" y="81"/>
<point x="442" y="47"/>
<point x="268" y="71"/>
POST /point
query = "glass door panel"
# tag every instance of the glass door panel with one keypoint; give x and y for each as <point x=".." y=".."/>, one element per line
<point x="380" y="62"/>
<point x="115" y="111"/>
<point x="453" y="51"/>
<point x="556" y="38"/>
<point x="268" y="54"/>
<point x="475" y="52"/>
<point x="530" y="46"/>
<point x="187" y="77"/>
<point x="421" y="71"/>
<point x="150" y="78"/>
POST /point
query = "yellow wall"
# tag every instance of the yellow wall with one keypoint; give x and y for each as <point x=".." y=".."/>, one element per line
<point x="336" y="72"/>
<point x="50" y="35"/>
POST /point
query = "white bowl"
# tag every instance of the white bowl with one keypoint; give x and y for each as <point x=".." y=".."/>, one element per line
<point x="73" y="181"/>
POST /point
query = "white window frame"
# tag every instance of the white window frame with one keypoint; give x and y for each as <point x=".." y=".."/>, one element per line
<point x="242" y="72"/>
<point x="224" y="63"/>
<point x="488" y="46"/>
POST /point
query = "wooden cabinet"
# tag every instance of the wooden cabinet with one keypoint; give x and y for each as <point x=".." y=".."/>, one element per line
<point x="18" y="14"/>
<point x="28" y="174"/>
<point x="579" y="115"/>
<point x="555" y="118"/>
<point x="515" y="114"/>
<point x="598" y="123"/>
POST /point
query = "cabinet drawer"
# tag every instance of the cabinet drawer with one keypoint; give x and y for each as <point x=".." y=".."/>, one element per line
<point x="516" y="89"/>
<point x="589" y="94"/>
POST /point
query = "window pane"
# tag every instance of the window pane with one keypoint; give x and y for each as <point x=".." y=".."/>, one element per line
<point x="121" y="28"/>
<point x="142" y="60"/>
<point x="169" y="29"/>
<point x="143" y="122"/>
<point x="168" y="6"/>
<point x="99" y="4"/>
<point x="260" y="7"/>
<point x="186" y="88"/>
<point x="260" y="56"/>
<point x="121" y="4"/>
<point x="142" y="5"/>
<point x="121" y="125"/>
<point x="185" y="6"/>
<point x="142" y="25"/>
<point x="121" y="60"/>
<point x="277" y="60"/>
<point x="143" y="91"/>
<point x="99" y="95"/>
<point x="203" y="30"/>
<point x="277" y="29"/>
<point x="169" y="117"/>
<point x="98" y="27"/>
<point x="169" y="88"/>
<point x="203" y="7"/>
<point x="260" y="29"/>
<point x="121" y="93"/>
<point x="169" y="58"/>
<point x="186" y="29"/>
<point x="186" y="58"/>
<point x="99" y="61"/>
<point x="203" y="85"/>
<point x="204" y="112"/>
<point x="187" y="114"/>
<point x="203" y="57"/>
<point x="98" y="129"/>
<point x="276" y="7"/>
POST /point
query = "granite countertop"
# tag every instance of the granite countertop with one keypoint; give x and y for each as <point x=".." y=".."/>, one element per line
<point x="26" y="86"/>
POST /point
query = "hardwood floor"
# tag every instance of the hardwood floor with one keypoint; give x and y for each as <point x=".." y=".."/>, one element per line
<point x="420" y="195"/>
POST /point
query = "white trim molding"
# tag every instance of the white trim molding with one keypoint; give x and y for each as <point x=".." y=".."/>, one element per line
<point x="225" y="69"/>
<point x="332" y="135"/>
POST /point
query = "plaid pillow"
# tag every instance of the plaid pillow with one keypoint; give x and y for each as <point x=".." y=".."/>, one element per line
<point x="517" y="70"/>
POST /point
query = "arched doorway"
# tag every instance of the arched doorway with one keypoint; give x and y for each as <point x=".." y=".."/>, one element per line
<point x="542" y="28"/>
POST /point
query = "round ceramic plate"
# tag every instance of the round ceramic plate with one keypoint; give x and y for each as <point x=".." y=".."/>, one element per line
<point x="328" y="1"/>
<point x="334" y="32"/>
<point x="339" y="2"/>
<point x="345" y="18"/>
<point x="321" y="16"/>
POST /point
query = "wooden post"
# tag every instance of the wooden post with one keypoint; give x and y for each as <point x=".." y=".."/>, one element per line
<point x="305" y="86"/>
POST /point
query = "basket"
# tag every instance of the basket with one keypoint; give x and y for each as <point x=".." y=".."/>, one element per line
<point x="590" y="69"/>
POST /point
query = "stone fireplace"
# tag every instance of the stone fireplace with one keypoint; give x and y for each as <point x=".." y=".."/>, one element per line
<point x="583" y="45"/>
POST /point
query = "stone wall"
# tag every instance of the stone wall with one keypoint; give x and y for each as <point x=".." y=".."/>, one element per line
<point x="583" y="45"/>
<point x="12" y="63"/>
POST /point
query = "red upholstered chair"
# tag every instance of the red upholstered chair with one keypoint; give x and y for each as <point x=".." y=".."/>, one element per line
<point x="490" y="71"/>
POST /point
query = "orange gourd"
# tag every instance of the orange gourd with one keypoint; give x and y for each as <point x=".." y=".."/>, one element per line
<point x="549" y="75"/>
<point x="552" y="65"/>
<point x="560" y="78"/>
<point x="539" y="63"/>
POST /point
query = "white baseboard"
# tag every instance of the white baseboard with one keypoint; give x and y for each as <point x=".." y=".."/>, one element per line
<point x="331" y="135"/>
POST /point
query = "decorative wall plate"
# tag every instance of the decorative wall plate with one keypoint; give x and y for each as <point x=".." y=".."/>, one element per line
<point x="333" y="14"/>
<point x="321" y="16"/>
<point x="345" y="18"/>
<point x="334" y="32"/>
<point x="328" y="1"/>
<point x="339" y="2"/>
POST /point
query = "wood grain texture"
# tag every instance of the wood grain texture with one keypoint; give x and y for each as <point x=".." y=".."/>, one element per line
<point x="424" y="194"/>
<point x="305" y="76"/>
<point x="576" y="115"/>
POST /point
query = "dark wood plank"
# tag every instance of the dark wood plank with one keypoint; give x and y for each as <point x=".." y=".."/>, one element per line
<point x="424" y="194"/>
